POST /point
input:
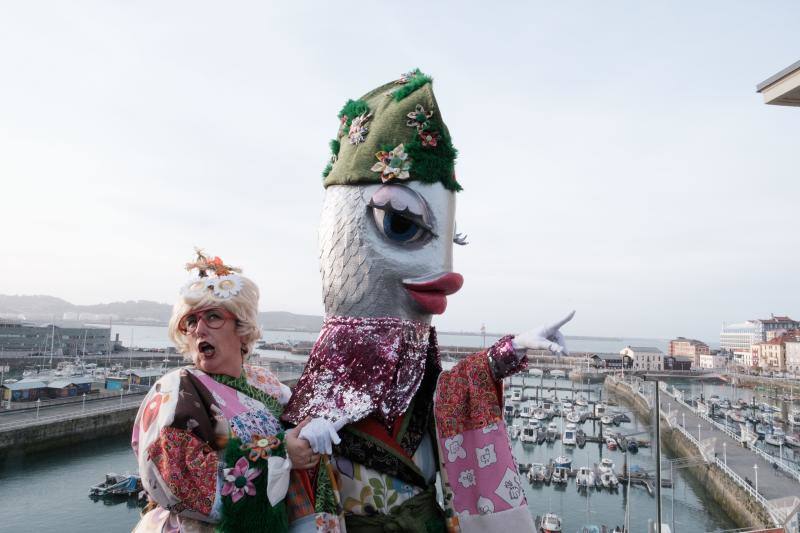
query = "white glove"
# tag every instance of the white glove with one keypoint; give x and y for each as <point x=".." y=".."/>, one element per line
<point x="320" y="433"/>
<point x="546" y="338"/>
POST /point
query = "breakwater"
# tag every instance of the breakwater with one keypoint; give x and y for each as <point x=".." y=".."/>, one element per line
<point x="45" y="433"/>
<point x="736" y="501"/>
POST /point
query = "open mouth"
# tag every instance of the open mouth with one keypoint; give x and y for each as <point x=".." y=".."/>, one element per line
<point x="206" y="349"/>
<point x="431" y="292"/>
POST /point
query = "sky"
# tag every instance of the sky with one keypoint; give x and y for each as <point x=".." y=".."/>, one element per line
<point x="615" y="156"/>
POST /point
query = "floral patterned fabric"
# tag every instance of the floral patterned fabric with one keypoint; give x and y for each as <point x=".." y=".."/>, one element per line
<point x="181" y="432"/>
<point x="366" y="491"/>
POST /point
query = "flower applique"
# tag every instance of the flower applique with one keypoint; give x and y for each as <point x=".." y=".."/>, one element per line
<point x="239" y="480"/>
<point x="358" y="128"/>
<point x="260" y="447"/>
<point x="393" y="165"/>
<point x="226" y="286"/>
<point x="454" y="449"/>
<point x="485" y="505"/>
<point x="467" y="478"/>
<point x="405" y="77"/>
<point x="418" y="118"/>
<point x="486" y="455"/>
<point x="429" y="138"/>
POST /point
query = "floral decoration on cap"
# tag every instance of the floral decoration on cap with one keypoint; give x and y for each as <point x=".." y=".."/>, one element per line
<point x="358" y="128"/>
<point x="392" y="165"/>
<point x="418" y="118"/>
<point x="212" y="275"/>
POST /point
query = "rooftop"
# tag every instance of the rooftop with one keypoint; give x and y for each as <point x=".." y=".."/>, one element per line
<point x="782" y="88"/>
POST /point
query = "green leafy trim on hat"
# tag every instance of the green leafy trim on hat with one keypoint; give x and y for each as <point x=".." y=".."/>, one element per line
<point x="434" y="163"/>
<point x="351" y="110"/>
<point x="415" y="82"/>
<point x="335" y="147"/>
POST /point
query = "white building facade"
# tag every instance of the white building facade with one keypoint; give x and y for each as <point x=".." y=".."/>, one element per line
<point x="793" y="357"/>
<point x="644" y="357"/>
<point x="740" y="337"/>
<point x="712" y="361"/>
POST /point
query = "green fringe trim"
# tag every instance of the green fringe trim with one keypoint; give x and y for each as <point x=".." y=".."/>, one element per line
<point x="325" y="499"/>
<point x="418" y="80"/>
<point x="244" y="387"/>
<point x="327" y="170"/>
<point x="335" y="146"/>
<point x="433" y="164"/>
<point x="252" y="513"/>
<point x="351" y="110"/>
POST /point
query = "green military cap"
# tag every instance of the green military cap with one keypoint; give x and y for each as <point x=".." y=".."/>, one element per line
<point x="392" y="134"/>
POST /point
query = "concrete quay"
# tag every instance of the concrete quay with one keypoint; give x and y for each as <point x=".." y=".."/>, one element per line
<point x="724" y="471"/>
<point x="27" y="431"/>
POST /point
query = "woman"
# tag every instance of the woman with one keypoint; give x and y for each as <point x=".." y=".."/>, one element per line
<point x="211" y="450"/>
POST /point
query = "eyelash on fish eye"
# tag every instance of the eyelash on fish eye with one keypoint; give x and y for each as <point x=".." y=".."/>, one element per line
<point x="416" y="219"/>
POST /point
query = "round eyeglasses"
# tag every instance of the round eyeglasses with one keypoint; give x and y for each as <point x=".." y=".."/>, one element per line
<point x="214" y="317"/>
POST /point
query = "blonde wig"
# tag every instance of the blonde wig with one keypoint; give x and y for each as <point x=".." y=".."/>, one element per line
<point x="243" y="305"/>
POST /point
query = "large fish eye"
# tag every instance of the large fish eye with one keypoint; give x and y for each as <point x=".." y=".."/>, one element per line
<point x="397" y="227"/>
<point x="401" y="214"/>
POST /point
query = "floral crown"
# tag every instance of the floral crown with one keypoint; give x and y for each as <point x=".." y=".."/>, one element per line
<point x="212" y="275"/>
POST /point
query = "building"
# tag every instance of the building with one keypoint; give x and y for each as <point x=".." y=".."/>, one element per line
<point x="713" y="361"/>
<point x="146" y="376"/>
<point x="24" y="391"/>
<point x="771" y="354"/>
<point x="644" y="357"/>
<point x="75" y="386"/>
<point x="739" y="338"/>
<point x="684" y="364"/>
<point x="782" y="88"/>
<point x="683" y="347"/>
<point x="610" y="360"/>
<point x="21" y="336"/>
<point x="792" y="348"/>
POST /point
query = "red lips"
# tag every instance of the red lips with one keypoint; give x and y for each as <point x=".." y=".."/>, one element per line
<point x="431" y="296"/>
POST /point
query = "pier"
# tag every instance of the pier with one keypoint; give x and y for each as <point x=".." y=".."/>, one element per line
<point x="749" y="484"/>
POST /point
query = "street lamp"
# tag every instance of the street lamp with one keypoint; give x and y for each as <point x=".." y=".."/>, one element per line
<point x="698" y="432"/>
<point x="725" y="452"/>
<point x="683" y="415"/>
<point x="83" y="405"/>
<point x="755" y="468"/>
<point x="38" y="404"/>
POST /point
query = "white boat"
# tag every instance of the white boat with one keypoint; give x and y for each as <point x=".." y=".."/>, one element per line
<point x="584" y="477"/>
<point x="776" y="437"/>
<point x="552" y="431"/>
<point x="562" y="461"/>
<point x="525" y="411"/>
<point x="551" y="523"/>
<point x="568" y="437"/>
<point x="513" y="431"/>
<point x="792" y="441"/>
<point x="599" y="409"/>
<point x="528" y="435"/>
<point x="508" y="410"/>
<point x="516" y="395"/>
<point x="540" y="414"/>
<point x="536" y="372"/>
<point x="607" y="420"/>
<point x="566" y="405"/>
<point x="736" y="416"/>
<point x="609" y="480"/>
<point x="536" y="473"/>
<point x="574" y="417"/>
<point x="794" y="417"/>
<point x="611" y="443"/>
<point x="560" y="475"/>
<point x="606" y="465"/>
<point x="556" y="374"/>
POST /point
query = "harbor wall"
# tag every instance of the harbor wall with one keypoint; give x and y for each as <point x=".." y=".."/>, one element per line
<point x="63" y="432"/>
<point x="732" y="499"/>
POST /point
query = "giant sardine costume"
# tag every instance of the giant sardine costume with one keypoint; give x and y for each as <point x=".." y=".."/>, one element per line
<point x="386" y="238"/>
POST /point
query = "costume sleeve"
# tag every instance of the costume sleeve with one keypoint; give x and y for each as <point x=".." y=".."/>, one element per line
<point x="504" y="360"/>
<point x="179" y="468"/>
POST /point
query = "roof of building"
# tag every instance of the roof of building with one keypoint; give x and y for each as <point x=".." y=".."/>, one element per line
<point x="61" y="383"/>
<point x="691" y="341"/>
<point x="645" y="349"/>
<point x="25" y="385"/>
<point x="776" y="320"/>
<point x="607" y="356"/>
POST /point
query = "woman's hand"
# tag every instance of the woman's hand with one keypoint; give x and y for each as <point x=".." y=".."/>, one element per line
<point x="299" y="450"/>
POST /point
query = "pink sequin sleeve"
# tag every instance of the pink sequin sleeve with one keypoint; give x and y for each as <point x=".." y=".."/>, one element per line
<point x="504" y="360"/>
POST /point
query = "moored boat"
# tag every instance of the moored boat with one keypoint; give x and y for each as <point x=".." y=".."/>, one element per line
<point x="562" y="461"/>
<point x="611" y="443"/>
<point x="551" y="523"/>
<point x="568" y="437"/>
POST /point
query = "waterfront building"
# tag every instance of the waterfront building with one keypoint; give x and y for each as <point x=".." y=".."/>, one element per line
<point x="771" y="354"/>
<point x="792" y="348"/>
<point x="739" y="338"/>
<point x="712" y="361"/>
<point x="18" y="336"/>
<point x="146" y="376"/>
<point x="75" y="386"/>
<point x="644" y="357"/>
<point x="610" y="360"/>
<point x="672" y="362"/>
<point x="116" y="382"/>
<point x="24" y="391"/>
<point x="683" y="347"/>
